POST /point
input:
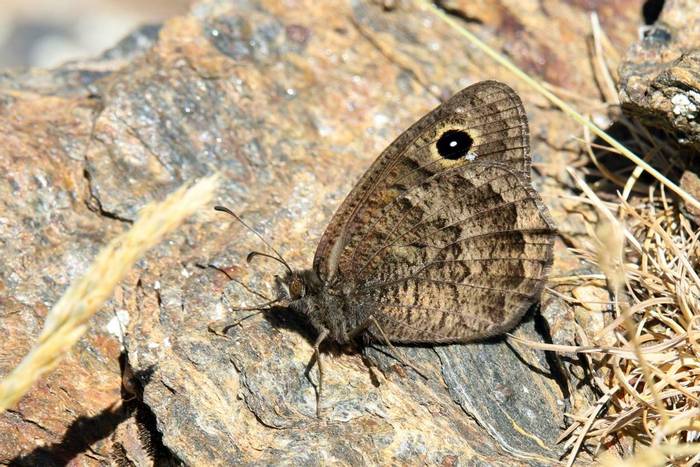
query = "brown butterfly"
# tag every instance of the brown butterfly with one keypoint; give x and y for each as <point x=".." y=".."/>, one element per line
<point x="442" y="240"/>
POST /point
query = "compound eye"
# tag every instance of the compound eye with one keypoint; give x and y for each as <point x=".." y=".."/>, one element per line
<point x="296" y="288"/>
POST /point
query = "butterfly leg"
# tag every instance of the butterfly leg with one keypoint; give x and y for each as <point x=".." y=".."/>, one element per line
<point x="371" y="320"/>
<point x="317" y="353"/>
<point x="397" y="354"/>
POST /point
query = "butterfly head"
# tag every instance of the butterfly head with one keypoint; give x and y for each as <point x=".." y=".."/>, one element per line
<point x="297" y="285"/>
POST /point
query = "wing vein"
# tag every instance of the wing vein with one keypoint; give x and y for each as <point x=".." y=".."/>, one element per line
<point x="411" y="209"/>
<point x="427" y="308"/>
<point x="381" y="285"/>
<point x="432" y="214"/>
<point x="486" y="234"/>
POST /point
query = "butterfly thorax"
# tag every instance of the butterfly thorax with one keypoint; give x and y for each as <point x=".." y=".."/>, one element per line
<point x="322" y="305"/>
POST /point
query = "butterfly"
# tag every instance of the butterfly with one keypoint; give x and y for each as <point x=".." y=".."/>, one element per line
<point x="442" y="240"/>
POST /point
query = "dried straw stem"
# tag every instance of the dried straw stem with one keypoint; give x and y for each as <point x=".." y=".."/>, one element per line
<point x="67" y="320"/>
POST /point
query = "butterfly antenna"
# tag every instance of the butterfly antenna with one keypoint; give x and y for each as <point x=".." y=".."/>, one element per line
<point x="253" y="254"/>
<point x="263" y="307"/>
<point x="259" y="308"/>
<point x="278" y="257"/>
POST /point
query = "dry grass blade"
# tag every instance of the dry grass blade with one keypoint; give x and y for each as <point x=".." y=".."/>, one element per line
<point x="67" y="320"/>
<point x="601" y="67"/>
<point x="653" y="353"/>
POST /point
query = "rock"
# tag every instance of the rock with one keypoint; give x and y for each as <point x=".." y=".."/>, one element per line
<point x="690" y="182"/>
<point x="51" y="231"/>
<point x="660" y="74"/>
<point x="291" y="103"/>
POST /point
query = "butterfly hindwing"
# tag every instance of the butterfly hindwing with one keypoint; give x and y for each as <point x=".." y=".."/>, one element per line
<point x="461" y="263"/>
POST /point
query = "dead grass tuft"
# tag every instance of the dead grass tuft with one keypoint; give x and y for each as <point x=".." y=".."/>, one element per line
<point x="648" y="371"/>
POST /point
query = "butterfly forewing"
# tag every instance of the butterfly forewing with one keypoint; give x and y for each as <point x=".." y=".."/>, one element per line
<point x="444" y="239"/>
<point x="490" y="112"/>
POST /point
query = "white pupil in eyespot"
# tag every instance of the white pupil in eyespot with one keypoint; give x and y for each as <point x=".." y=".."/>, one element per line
<point x="453" y="144"/>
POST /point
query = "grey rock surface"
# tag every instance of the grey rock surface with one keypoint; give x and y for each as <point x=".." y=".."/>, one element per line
<point x="290" y="103"/>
